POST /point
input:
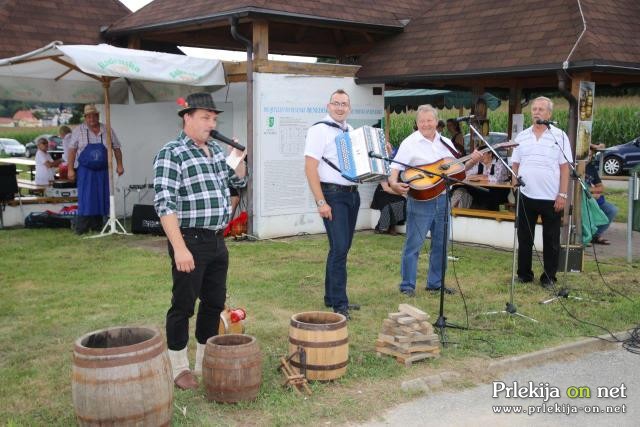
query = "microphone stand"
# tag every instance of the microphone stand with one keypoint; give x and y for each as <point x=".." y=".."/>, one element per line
<point x="510" y="307"/>
<point x="441" y="323"/>
<point x="564" y="291"/>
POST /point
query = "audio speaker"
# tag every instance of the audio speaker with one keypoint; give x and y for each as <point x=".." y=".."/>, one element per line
<point x="144" y="220"/>
<point x="575" y="261"/>
<point x="8" y="182"/>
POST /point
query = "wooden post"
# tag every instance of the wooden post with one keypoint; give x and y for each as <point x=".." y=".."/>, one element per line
<point x="476" y="92"/>
<point x="515" y="107"/>
<point x="261" y="40"/>
<point x="134" y="42"/>
<point x="575" y="189"/>
<point x="387" y="123"/>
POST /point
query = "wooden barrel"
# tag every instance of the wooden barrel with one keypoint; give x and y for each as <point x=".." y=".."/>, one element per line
<point x="122" y="376"/>
<point x="232" y="368"/>
<point x="325" y="340"/>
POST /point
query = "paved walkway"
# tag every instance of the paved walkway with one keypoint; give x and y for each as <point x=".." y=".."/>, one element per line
<point x="615" y="370"/>
<point x="617" y="235"/>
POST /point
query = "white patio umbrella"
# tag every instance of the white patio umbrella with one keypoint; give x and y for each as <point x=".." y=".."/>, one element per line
<point x="104" y="74"/>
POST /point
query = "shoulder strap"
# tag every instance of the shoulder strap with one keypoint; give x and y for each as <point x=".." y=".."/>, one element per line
<point x="332" y="124"/>
<point x="329" y="162"/>
<point x="453" y="151"/>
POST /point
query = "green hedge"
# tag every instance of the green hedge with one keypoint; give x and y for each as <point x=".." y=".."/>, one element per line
<point x="25" y="135"/>
<point x="612" y="125"/>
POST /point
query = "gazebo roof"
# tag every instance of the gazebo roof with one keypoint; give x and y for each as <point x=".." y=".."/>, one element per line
<point x="455" y="41"/>
<point x="28" y="25"/>
<point x="165" y="13"/>
<point x="304" y="27"/>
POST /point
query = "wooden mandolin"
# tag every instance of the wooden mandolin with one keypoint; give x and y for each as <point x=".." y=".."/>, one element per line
<point x="426" y="186"/>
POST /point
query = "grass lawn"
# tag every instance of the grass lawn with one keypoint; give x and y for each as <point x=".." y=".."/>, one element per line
<point x="55" y="287"/>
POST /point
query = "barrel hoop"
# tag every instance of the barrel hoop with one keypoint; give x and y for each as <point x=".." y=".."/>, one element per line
<point x="83" y="362"/>
<point x="121" y="420"/>
<point x="317" y="326"/>
<point x="315" y="344"/>
<point x="309" y="367"/>
<point x="88" y="379"/>
<point x="234" y="389"/>
<point x="155" y="340"/>
<point x="233" y="367"/>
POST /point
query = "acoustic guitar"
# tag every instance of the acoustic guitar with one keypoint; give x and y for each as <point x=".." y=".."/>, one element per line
<point x="424" y="185"/>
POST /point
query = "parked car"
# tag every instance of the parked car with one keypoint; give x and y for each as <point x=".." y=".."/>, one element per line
<point x="493" y="139"/>
<point x="621" y="157"/>
<point x="55" y="144"/>
<point x="11" y="147"/>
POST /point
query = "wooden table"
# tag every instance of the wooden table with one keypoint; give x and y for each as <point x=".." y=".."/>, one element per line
<point x="484" y="182"/>
<point x="31" y="164"/>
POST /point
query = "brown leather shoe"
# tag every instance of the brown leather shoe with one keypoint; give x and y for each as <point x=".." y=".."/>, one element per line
<point x="186" y="381"/>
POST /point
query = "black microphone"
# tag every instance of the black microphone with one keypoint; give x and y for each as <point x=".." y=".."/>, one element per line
<point x="376" y="156"/>
<point x="546" y="122"/>
<point x="465" y="118"/>
<point x="220" y="137"/>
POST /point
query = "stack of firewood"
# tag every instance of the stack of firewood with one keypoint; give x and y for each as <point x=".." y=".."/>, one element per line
<point x="408" y="336"/>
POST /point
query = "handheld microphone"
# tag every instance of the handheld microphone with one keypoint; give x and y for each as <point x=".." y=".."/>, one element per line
<point x="465" y="118"/>
<point x="220" y="137"/>
<point x="546" y="122"/>
<point x="376" y="156"/>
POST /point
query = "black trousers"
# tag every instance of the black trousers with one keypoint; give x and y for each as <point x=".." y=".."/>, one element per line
<point x="528" y="214"/>
<point x="208" y="282"/>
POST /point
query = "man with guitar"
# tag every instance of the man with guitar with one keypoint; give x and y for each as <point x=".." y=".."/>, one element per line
<point x="426" y="211"/>
<point x="336" y="197"/>
<point x="541" y="161"/>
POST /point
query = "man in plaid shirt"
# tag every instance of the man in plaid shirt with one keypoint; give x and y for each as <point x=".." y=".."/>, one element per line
<point x="192" y="182"/>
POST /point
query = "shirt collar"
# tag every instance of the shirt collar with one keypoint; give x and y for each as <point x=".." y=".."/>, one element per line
<point x="424" y="138"/>
<point x="344" y="126"/>
<point x="185" y="139"/>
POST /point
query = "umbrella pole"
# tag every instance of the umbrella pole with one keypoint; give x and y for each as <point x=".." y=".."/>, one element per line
<point x="111" y="227"/>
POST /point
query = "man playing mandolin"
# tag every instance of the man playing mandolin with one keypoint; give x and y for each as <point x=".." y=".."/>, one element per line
<point x="426" y="208"/>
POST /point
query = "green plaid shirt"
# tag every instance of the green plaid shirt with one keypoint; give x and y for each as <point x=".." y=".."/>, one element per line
<point x="193" y="186"/>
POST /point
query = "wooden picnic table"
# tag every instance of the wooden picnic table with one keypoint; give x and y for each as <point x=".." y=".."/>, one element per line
<point x="31" y="164"/>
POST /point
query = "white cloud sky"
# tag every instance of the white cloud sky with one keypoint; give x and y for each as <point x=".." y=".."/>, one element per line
<point x="225" y="55"/>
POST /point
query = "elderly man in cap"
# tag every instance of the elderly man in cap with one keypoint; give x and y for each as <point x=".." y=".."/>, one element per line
<point x="192" y="184"/>
<point x="88" y="165"/>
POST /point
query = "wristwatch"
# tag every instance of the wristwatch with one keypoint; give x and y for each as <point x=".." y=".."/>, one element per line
<point x="563" y="195"/>
<point x="320" y="203"/>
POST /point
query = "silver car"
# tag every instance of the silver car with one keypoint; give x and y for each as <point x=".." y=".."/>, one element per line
<point x="11" y="147"/>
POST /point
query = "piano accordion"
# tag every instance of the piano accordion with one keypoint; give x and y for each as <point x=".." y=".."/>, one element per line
<point x="353" y="154"/>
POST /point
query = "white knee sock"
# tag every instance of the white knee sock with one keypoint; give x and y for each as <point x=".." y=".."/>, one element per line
<point x="197" y="369"/>
<point x="179" y="361"/>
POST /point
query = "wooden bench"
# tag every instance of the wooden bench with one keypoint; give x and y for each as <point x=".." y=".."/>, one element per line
<point x="31" y="186"/>
<point x="33" y="200"/>
<point x="482" y="213"/>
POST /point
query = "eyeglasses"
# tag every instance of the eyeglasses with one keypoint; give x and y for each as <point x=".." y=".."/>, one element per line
<point x="339" y="104"/>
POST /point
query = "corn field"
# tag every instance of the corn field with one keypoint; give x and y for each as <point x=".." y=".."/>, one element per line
<point x="612" y="125"/>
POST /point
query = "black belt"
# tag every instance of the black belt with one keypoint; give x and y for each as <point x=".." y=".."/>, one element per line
<point x="339" y="188"/>
<point x="205" y="232"/>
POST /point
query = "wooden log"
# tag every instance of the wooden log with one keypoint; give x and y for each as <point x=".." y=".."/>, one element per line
<point x="413" y="311"/>
<point x="387" y="338"/>
<point x="396" y="316"/>
<point x="408" y="360"/>
<point x="406" y="320"/>
<point x="389" y="351"/>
